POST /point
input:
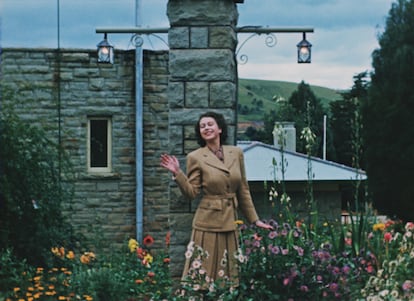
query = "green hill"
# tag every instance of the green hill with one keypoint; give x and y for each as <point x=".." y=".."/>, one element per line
<point x="252" y="91"/>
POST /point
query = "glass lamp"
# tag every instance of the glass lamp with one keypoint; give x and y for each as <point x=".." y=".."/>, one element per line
<point x="304" y="51"/>
<point x="105" y="51"/>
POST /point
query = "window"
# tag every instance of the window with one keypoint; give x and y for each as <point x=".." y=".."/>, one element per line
<point x="99" y="144"/>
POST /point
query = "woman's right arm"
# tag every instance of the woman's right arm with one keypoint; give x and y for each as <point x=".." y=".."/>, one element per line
<point x="190" y="184"/>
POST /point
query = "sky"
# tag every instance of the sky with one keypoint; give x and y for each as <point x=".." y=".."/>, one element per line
<point x="345" y="32"/>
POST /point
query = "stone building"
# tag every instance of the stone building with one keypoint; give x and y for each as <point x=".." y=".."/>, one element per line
<point x="90" y="110"/>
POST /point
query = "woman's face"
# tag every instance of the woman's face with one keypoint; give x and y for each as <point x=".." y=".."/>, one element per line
<point x="209" y="129"/>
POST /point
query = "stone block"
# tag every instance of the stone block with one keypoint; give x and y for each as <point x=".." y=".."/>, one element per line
<point x="196" y="13"/>
<point x="199" y="37"/>
<point x="223" y="94"/>
<point x="196" y="94"/>
<point x="179" y="37"/>
<point x="206" y="65"/>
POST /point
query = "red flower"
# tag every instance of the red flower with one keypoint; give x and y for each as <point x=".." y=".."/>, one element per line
<point x="148" y="240"/>
<point x="151" y="274"/>
<point x="387" y="236"/>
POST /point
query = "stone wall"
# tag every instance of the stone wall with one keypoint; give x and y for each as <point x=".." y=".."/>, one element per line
<point x="203" y="77"/>
<point x="46" y="89"/>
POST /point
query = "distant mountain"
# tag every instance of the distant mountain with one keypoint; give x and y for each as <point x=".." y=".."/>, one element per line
<point x="259" y="96"/>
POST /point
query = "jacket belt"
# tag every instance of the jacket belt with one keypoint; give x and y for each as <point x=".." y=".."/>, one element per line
<point x="219" y="196"/>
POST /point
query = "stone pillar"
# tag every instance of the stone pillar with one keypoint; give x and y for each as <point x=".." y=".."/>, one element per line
<point x="203" y="77"/>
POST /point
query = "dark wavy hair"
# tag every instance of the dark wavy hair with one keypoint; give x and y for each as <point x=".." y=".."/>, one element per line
<point x="221" y="122"/>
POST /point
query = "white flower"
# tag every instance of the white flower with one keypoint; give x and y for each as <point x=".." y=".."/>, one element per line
<point x="188" y="254"/>
<point x="196" y="264"/>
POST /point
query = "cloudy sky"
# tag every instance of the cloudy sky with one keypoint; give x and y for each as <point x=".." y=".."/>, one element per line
<point x="344" y="38"/>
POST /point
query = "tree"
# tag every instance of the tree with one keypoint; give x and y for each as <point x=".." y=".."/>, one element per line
<point x="387" y="115"/>
<point x="308" y="112"/>
<point x="345" y="122"/>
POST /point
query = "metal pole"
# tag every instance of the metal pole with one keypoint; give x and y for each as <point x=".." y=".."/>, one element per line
<point x="139" y="136"/>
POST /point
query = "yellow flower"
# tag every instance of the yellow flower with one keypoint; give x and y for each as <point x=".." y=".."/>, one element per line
<point x="61" y="298"/>
<point x="88" y="298"/>
<point x="238" y="222"/>
<point x="148" y="258"/>
<point x="133" y="245"/>
<point x="378" y="227"/>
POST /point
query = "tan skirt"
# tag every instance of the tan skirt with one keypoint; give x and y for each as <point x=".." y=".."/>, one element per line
<point x="218" y="258"/>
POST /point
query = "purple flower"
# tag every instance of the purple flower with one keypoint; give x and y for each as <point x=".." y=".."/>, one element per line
<point x="319" y="278"/>
<point x="274" y="249"/>
<point x="299" y="250"/>
<point x="333" y="287"/>
<point x="304" y="288"/>
<point x="272" y="234"/>
<point x="346" y="269"/>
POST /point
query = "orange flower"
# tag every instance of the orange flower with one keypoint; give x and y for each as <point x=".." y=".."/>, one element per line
<point x="167" y="238"/>
<point x="148" y="240"/>
<point x="141" y="253"/>
<point x="87" y="257"/>
<point x="139" y="281"/>
<point x="70" y="255"/>
<point x="167" y="260"/>
<point x="151" y="274"/>
<point x="88" y="298"/>
<point x="59" y="252"/>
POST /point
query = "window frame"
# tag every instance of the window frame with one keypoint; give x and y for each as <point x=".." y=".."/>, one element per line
<point x="108" y="167"/>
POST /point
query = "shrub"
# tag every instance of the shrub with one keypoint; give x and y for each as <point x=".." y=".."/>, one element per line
<point x="31" y="191"/>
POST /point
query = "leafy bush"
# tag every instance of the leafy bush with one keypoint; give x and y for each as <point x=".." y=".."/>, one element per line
<point x="31" y="191"/>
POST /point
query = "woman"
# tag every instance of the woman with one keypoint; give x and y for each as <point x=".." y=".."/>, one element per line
<point x="215" y="172"/>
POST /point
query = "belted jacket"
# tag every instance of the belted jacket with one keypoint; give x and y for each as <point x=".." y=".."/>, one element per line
<point x="222" y="186"/>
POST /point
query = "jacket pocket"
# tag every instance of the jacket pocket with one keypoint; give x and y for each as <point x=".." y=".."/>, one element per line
<point x="209" y="214"/>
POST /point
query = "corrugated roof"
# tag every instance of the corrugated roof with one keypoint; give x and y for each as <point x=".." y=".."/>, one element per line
<point x="258" y="159"/>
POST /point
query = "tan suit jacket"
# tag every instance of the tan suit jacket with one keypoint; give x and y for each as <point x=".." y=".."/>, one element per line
<point x="223" y="188"/>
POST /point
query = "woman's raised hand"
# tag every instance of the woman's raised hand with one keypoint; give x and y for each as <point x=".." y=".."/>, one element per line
<point x="170" y="163"/>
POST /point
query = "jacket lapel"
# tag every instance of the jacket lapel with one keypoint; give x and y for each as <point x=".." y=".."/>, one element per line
<point x="212" y="160"/>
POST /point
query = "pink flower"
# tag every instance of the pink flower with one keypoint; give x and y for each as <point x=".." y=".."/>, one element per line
<point x="409" y="226"/>
<point x="286" y="281"/>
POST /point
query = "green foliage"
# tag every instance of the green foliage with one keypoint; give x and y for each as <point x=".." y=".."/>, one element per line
<point x="387" y="115"/>
<point x="31" y="190"/>
<point x="12" y="270"/>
